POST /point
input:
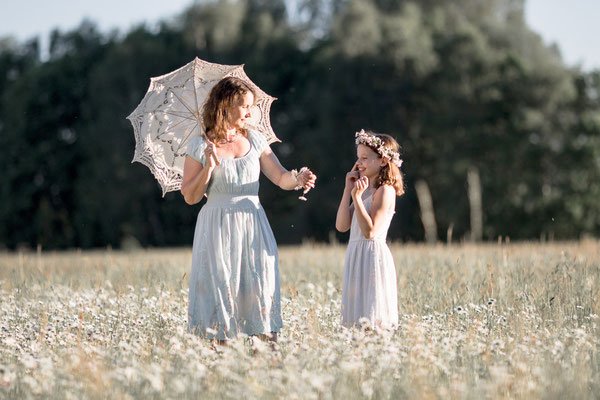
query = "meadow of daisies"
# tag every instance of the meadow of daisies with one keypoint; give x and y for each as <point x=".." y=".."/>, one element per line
<point x="477" y="321"/>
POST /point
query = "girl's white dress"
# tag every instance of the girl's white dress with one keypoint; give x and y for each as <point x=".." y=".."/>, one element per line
<point x="234" y="282"/>
<point x="369" y="292"/>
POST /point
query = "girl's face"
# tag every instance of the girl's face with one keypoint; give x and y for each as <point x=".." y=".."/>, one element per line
<point x="240" y="112"/>
<point x="368" y="163"/>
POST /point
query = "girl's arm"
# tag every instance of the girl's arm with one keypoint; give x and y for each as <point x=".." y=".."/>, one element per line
<point x="343" y="219"/>
<point x="383" y="201"/>
<point x="272" y="168"/>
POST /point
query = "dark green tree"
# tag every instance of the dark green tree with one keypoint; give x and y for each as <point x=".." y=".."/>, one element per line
<point x="42" y="110"/>
<point x="462" y="85"/>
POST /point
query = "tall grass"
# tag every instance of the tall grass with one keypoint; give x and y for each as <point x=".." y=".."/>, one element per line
<point x="477" y="321"/>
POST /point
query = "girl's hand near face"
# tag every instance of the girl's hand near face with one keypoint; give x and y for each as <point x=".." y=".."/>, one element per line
<point x="352" y="176"/>
<point x="360" y="186"/>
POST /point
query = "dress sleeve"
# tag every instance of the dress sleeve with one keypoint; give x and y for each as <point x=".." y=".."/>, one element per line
<point x="259" y="141"/>
<point x="195" y="148"/>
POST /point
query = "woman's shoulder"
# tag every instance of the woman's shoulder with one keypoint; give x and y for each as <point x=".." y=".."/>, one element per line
<point x="195" y="147"/>
<point x="196" y="140"/>
<point x="257" y="139"/>
<point x="253" y="134"/>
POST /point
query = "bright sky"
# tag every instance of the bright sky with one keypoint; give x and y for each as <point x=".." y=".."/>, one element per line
<point x="572" y="25"/>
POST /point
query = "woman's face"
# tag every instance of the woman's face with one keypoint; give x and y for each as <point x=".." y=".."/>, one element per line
<point x="240" y="112"/>
<point x="368" y="162"/>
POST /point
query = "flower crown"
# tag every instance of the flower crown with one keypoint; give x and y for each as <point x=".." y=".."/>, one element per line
<point x="377" y="144"/>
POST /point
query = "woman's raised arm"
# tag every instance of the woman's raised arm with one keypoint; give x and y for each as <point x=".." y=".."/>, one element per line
<point x="287" y="180"/>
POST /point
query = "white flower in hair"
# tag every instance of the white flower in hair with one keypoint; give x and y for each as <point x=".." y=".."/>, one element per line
<point x="377" y="144"/>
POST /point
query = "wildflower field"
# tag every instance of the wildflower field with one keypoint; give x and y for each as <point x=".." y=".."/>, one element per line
<point x="476" y="321"/>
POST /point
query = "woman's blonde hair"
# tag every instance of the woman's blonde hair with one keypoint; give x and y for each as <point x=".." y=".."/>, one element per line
<point x="389" y="174"/>
<point x="222" y="97"/>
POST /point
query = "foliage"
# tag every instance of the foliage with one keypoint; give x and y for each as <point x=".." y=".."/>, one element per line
<point x="463" y="84"/>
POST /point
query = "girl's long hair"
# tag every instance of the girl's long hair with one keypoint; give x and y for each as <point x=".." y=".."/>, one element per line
<point x="389" y="174"/>
<point x="222" y="97"/>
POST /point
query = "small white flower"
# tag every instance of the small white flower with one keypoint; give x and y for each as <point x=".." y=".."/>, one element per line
<point x="367" y="388"/>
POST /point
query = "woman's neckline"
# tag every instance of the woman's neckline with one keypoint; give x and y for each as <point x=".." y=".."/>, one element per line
<point x="242" y="156"/>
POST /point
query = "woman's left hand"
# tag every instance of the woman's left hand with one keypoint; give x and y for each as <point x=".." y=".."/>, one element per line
<point x="360" y="185"/>
<point x="306" y="179"/>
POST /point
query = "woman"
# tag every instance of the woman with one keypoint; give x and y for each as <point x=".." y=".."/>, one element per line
<point x="234" y="283"/>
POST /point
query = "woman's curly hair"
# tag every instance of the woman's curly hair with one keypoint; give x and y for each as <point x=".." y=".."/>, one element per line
<point x="222" y="97"/>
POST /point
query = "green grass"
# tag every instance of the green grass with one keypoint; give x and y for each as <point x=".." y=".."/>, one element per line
<point x="477" y="321"/>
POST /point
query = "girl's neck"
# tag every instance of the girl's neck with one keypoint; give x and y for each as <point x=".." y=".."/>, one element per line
<point x="371" y="189"/>
<point x="367" y="193"/>
<point x="372" y="180"/>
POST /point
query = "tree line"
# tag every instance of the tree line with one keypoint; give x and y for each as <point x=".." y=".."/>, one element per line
<point x="465" y="86"/>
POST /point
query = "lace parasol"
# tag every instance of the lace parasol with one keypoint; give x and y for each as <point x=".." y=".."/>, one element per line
<point x="171" y="113"/>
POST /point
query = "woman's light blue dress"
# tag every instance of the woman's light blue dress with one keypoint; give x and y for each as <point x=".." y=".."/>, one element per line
<point x="234" y="283"/>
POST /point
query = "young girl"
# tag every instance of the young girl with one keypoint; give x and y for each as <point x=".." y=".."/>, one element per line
<point x="369" y="290"/>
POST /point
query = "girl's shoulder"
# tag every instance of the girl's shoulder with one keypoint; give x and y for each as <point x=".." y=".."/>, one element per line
<point x="385" y="197"/>
<point x="385" y="190"/>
